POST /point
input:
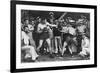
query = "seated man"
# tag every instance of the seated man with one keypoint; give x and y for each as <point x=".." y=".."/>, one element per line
<point x="30" y="50"/>
<point x="85" y="46"/>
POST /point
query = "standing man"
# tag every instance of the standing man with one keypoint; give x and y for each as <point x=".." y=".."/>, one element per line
<point x="57" y="38"/>
<point x="43" y="30"/>
<point x="29" y="32"/>
<point x="81" y="29"/>
<point x="69" y="38"/>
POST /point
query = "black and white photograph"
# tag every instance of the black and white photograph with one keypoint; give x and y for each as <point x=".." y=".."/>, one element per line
<point x="54" y="36"/>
